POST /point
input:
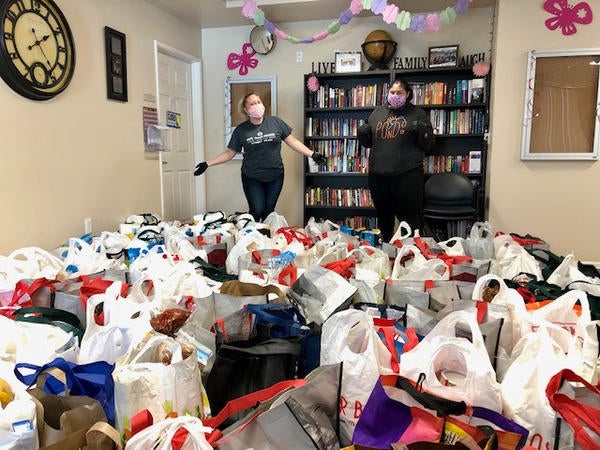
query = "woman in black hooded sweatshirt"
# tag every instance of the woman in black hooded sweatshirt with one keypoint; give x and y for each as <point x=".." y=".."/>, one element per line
<point x="399" y="135"/>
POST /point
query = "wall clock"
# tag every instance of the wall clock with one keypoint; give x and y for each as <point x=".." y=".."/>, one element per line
<point x="37" y="54"/>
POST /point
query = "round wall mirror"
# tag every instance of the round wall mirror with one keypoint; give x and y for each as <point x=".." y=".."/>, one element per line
<point x="262" y="40"/>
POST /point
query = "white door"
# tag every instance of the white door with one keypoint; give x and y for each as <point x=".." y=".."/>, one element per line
<point x="177" y="100"/>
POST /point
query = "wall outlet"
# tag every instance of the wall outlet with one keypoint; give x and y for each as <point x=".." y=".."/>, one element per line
<point x="299" y="56"/>
<point x="87" y="226"/>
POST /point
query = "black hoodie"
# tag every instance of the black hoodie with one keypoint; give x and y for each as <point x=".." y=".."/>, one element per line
<point x="398" y="139"/>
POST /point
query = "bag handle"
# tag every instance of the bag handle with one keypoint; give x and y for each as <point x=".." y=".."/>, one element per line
<point x="59" y="369"/>
<point x="573" y="412"/>
<point x="441" y="406"/>
<point x="502" y="422"/>
<point x="250" y="400"/>
<point x="64" y="320"/>
<point x="102" y="428"/>
<point x="263" y="311"/>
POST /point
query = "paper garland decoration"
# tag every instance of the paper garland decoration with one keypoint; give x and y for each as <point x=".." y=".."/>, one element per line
<point x="390" y="13"/>
<point x="566" y="15"/>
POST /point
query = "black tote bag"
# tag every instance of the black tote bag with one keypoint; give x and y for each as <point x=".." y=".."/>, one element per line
<point x="244" y="367"/>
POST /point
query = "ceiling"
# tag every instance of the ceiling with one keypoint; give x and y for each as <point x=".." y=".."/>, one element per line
<point x="215" y="14"/>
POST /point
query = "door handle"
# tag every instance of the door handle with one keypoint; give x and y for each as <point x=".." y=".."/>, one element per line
<point x="165" y="162"/>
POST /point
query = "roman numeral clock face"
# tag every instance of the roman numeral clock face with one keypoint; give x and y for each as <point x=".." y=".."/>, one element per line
<point x="37" y="54"/>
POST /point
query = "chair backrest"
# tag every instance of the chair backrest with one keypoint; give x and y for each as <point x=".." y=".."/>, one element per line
<point x="448" y="188"/>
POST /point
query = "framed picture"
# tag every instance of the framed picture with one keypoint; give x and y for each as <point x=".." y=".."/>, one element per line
<point x="235" y="91"/>
<point x="116" y="64"/>
<point x="560" y="111"/>
<point x="445" y="56"/>
<point x="348" y="62"/>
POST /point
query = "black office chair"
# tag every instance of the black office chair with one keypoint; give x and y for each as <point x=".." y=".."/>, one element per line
<point x="448" y="197"/>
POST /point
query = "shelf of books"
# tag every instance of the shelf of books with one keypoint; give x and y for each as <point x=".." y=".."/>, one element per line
<point x="456" y="102"/>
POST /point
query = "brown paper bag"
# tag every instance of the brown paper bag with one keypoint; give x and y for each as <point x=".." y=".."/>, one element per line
<point x="61" y="416"/>
<point x="100" y="437"/>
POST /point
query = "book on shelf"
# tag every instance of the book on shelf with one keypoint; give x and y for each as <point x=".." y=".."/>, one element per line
<point x="476" y="90"/>
<point x="475" y="161"/>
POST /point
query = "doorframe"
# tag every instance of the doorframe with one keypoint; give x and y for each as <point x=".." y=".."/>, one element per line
<point x="197" y="118"/>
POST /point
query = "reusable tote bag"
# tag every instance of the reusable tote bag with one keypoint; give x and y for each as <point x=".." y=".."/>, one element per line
<point x="158" y="377"/>
<point x="350" y="337"/>
<point x="578" y="406"/>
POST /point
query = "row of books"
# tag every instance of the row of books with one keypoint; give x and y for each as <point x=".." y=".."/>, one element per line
<point x="449" y="93"/>
<point x="340" y="97"/>
<point x="343" y="155"/>
<point x="343" y="197"/>
<point x="332" y="127"/>
<point x="457" y="121"/>
<point x="461" y="164"/>
<point x="359" y="222"/>
<point x="352" y="158"/>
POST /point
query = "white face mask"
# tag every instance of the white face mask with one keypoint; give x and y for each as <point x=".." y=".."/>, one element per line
<point x="256" y="111"/>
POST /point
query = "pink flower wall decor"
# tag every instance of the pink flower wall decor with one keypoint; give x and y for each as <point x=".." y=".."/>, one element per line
<point x="244" y="60"/>
<point x="566" y="15"/>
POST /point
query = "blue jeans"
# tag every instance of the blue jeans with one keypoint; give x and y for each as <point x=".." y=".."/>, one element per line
<point x="261" y="195"/>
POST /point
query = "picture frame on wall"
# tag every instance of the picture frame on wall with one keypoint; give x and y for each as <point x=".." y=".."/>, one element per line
<point x="442" y="56"/>
<point x="236" y="89"/>
<point x="116" y="64"/>
<point x="347" y="62"/>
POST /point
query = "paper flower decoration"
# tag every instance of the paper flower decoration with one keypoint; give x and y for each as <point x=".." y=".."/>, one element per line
<point x="243" y="60"/>
<point x="566" y="15"/>
<point x="312" y="83"/>
<point x="481" y="69"/>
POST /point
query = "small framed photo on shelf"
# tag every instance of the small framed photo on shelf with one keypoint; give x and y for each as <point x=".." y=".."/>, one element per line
<point x="346" y="62"/>
<point x="444" y="56"/>
<point x="116" y="64"/>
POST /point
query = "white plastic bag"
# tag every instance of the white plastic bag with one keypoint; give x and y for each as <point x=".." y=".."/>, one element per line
<point x="455" y="367"/>
<point x="537" y="358"/>
<point x="480" y="244"/>
<point x="513" y="318"/>
<point x="454" y="246"/>
<point x="125" y="324"/>
<point x="34" y="262"/>
<point x="568" y="272"/>
<point x="418" y="268"/>
<point x="160" y="435"/>
<point x="144" y="380"/>
<point x="512" y="259"/>
<point x="35" y="343"/>
<point x="350" y="337"/>
<point x="246" y="243"/>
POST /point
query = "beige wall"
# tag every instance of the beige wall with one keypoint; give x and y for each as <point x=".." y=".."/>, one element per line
<point x="554" y="200"/>
<point x="81" y="155"/>
<point x="471" y="31"/>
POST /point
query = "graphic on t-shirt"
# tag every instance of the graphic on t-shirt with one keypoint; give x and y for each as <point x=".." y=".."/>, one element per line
<point x="261" y="138"/>
<point x="392" y="127"/>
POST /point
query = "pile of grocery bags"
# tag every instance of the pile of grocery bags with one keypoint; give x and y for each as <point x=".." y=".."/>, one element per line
<point x="232" y="334"/>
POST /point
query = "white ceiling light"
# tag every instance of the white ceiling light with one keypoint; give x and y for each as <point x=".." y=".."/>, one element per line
<point x="240" y="3"/>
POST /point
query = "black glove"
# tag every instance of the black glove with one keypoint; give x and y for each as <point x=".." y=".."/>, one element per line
<point x="419" y="126"/>
<point x="319" y="159"/>
<point x="201" y="168"/>
<point x="364" y="134"/>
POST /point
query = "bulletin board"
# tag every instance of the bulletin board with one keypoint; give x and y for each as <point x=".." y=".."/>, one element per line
<point x="561" y="105"/>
